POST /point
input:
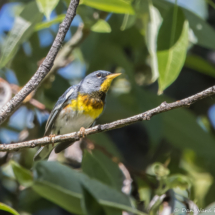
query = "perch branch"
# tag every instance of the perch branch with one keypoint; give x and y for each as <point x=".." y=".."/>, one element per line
<point x="163" y="107"/>
<point x="44" y="68"/>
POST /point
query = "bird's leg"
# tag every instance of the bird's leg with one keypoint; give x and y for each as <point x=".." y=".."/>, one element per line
<point x="52" y="136"/>
<point x="82" y="132"/>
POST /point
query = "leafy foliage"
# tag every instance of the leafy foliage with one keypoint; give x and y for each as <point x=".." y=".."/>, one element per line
<point x="165" y="164"/>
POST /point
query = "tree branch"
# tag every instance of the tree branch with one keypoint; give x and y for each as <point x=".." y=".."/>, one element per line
<point x="164" y="107"/>
<point x="44" y="68"/>
<point x="62" y="58"/>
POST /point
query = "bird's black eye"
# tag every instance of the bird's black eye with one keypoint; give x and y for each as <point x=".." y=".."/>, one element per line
<point x="99" y="75"/>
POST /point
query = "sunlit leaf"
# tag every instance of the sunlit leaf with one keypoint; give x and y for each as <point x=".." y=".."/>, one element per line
<point x="115" y="6"/>
<point x="4" y="207"/>
<point x="101" y="26"/>
<point x="47" y="6"/>
<point x="22" y="29"/>
<point x="151" y="23"/>
<point x="203" y="32"/>
<point x="172" y="47"/>
<point x="47" y="24"/>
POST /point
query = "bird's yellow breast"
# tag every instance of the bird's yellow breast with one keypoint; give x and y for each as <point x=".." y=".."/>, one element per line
<point x="87" y="105"/>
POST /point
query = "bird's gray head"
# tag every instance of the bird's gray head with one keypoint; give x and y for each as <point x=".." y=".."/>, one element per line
<point x="98" y="81"/>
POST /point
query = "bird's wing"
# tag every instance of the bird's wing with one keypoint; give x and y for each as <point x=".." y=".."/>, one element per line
<point x="70" y="93"/>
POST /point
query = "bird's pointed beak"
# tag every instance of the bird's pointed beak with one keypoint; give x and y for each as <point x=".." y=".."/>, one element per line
<point x="107" y="82"/>
<point x="112" y="76"/>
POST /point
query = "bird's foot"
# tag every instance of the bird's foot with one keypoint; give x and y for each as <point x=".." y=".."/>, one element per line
<point x="52" y="136"/>
<point x="82" y="132"/>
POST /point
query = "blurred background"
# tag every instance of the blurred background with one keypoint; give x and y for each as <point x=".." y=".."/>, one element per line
<point x="165" y="50"/>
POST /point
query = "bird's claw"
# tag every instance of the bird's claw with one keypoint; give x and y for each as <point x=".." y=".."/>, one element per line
<point x="52" y="136"/>
<point x="82" y="132"/>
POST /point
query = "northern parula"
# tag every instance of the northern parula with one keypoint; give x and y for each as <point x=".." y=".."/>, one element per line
<point x="77" y="108"/>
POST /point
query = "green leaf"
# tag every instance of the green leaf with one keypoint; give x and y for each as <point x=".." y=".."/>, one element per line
<point x="23" y="176"/>
<point x="99" y="166"/>
<point x="47" y="6"/>
<point x="22" y="29"/>
<point x="101" y="26"/>
<point x="63" y="185"/>
<point x="4" y="207"/>
<point x="90" y="205"/>
<point x="47" y="24"/>
<point x="115" y="6"/>
<point x="199" y="64"/>
<point x="172" y="47"/>
<point x="107" y="196"/>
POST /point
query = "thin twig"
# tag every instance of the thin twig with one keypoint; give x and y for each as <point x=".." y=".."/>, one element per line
<point x="164" y="107"/>
<point x="44" y="68"/>
<point x="15" y="89"/>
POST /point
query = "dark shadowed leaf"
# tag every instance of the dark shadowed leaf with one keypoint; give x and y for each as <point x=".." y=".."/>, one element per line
<point x="90" y="205"/>
<point x="62" y="185"/>
<point x="30" y="201"/>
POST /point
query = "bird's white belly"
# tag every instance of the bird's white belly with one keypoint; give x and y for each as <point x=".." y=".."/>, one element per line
<point x="67" y="123"/>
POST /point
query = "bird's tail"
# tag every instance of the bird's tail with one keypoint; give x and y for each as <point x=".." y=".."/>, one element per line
<point x="43" y="153"/>
<point x="61" y="146"/>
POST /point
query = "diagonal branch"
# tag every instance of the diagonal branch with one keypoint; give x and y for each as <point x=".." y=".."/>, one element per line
<point x="164" y="107"/>
<point x="63" y="57"/>
<point x="44" y="68"/>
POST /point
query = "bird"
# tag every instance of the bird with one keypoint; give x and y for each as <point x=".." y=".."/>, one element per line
<point x="77" y="109"/>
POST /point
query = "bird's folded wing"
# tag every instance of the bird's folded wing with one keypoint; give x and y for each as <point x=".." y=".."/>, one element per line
<point x="71" y="93"/>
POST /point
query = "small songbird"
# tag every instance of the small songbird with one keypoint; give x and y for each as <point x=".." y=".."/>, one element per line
<point x="76" y="109"/>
